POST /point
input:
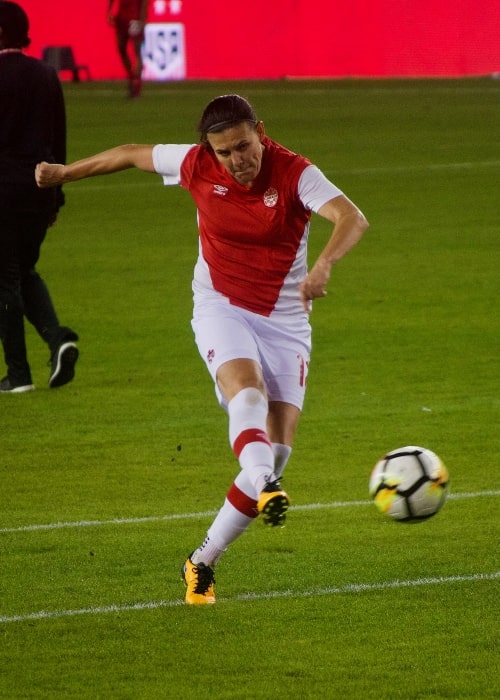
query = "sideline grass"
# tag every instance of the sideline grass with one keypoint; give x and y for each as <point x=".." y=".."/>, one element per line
<point x="405" y="352"/>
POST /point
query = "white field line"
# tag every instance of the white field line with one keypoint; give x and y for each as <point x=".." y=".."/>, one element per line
<point x="207" y="514"/>
<point x="312" y="593"/>
<point x="382" y="170"/>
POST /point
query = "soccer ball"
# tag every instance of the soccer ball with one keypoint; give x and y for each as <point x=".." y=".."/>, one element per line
<point x="409" y="484"/>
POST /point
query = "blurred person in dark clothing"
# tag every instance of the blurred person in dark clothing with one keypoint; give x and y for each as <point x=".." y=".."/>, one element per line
<point x="32" y="126"/>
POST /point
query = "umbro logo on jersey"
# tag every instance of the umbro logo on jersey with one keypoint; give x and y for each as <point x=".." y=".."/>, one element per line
<point x="220" y="190"/>
<point x="271" y="197"/>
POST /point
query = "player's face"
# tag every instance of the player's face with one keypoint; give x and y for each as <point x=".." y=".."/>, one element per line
<point x="240" y="150"/>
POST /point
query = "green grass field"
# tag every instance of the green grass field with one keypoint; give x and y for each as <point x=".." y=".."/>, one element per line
<point x="108" y="483"/>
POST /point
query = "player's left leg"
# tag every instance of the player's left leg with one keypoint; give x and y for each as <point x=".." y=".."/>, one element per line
<point x="239" y="510"/>
<point x="261" y="433"/>
<point x="242" y="505"/>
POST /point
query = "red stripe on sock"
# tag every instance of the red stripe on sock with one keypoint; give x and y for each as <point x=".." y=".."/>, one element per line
<point x="247" y="436"/>
<point x="243" y="503"/>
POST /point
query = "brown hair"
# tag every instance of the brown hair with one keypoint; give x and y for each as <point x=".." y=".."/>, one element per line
<point x="224" y="112"/>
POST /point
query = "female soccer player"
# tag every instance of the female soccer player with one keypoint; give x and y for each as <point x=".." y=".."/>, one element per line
<point x="252" y="294"/>
<point x="128" y="18"/>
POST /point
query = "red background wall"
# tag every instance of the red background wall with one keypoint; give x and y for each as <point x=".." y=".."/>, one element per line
<point x="301" y="38"/>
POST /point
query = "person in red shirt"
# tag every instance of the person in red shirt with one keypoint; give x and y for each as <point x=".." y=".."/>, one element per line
<point x="252" y="294"/>
<point x="128" y="18"/>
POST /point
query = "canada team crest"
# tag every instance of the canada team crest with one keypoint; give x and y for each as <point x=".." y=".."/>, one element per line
<point x="271" y="197"/>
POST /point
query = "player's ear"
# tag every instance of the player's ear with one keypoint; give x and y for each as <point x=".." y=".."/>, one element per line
<point x="261" y="129"/>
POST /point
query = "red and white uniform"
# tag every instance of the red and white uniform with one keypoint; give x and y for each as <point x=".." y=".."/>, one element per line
<point x="252" y="258"/>
<point x="128" y="10"/>
<point x="253" y="241"/>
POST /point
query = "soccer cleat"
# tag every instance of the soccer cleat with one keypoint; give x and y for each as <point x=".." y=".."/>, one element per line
<point x="7" y="387"/>
<point x="62" y="365"/>
<point x="273" y="504"/>
<point x="199" y="579"/>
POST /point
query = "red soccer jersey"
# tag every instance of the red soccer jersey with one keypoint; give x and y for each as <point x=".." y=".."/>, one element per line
<point x="127" y="10"/>
<point x="249" y="237"/>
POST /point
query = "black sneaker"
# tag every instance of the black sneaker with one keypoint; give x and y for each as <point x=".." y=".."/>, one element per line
<point x="8" y="387"/>
<point x="273" y="504"/>
<point x="62" y="365"/>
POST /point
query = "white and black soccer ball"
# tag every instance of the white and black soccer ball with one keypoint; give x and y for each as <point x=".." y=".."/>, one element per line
<point x="409" y="484"/>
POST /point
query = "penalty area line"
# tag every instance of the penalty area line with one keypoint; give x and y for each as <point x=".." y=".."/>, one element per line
<point x="312" y="593"/>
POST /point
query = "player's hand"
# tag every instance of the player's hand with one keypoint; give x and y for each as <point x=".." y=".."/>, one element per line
<point x="49" y="174"/>
<point x="314" y="285"/>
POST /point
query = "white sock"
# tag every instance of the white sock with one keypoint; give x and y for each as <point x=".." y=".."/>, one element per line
<point x="209" y="553"/>
<point x="281" y="456"/>
<point x="238" y="511"/>
<point x="248" y="436"/>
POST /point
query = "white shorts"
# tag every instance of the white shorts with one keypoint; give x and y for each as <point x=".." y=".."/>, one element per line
<point x="281" y="346"/>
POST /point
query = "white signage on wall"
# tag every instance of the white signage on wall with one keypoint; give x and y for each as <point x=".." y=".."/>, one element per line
<point x="163" y="51"/>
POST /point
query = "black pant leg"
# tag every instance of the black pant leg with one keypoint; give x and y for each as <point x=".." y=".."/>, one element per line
<point x="12" y="327"/>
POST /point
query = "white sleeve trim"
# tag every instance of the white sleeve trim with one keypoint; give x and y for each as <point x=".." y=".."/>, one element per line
<point x="167" y="161"/>
<point x="315" y="189"/>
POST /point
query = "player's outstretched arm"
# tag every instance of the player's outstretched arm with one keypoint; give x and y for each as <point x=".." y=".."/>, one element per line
<point x="349" y="226"/>
<point x="111" y="161"/>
